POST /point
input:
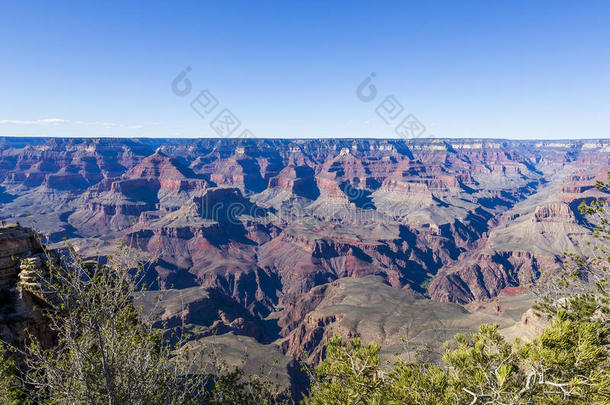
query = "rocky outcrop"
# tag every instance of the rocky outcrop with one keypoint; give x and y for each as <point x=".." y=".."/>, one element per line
<point x="536" y="323"/>
<point x="554" y="212"/>
<point x="201" y="312"/>
<point x="16" y="243"/>
<point x="484" y="275"/>
<point x="23" y="261"/>
<point x="309" y="339"/>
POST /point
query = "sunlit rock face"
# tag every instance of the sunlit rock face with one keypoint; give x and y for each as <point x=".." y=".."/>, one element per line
<point x="22" y="260"/>
<point x="263" y="225"/>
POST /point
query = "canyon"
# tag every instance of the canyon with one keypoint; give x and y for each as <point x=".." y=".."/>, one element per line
<point x="275" y="244"/>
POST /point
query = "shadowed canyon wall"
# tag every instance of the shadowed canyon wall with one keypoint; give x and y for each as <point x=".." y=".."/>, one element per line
<point x="260" y="234"/>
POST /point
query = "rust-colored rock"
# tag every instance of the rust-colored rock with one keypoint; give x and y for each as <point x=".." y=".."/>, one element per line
<point x="264" y="223"/>
<point x="22" y="258"/>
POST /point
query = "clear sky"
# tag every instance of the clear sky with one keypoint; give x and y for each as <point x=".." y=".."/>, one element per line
<point x="500" y="69"/>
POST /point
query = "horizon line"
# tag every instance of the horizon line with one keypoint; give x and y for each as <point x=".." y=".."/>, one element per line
<point x="306" y="139"/>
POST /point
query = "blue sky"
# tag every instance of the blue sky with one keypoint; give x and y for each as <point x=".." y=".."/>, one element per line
<point x="500" y="69"/>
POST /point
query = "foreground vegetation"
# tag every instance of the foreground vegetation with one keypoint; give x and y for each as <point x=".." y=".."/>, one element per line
<point x="107" y="352"/>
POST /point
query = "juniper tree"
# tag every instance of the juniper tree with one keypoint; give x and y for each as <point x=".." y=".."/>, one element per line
<point x="108" y="351"/>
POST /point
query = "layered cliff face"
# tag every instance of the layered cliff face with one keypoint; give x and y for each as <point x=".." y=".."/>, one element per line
<point x="22" y="259"/>
<point x="266" y="227"/>
<point x="156" y="183"/>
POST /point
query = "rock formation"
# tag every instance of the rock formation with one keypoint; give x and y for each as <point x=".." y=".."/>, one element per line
<point x="266" y="226"/>
<point x="22" y="260"/>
